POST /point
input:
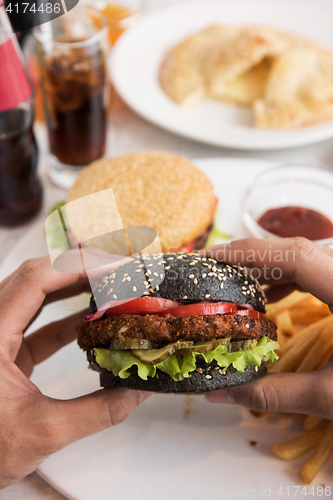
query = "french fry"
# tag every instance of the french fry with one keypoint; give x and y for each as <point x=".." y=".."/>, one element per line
<point x="300" y="445"/>
<point x="311" y="421"/>
<point x="285" y="329"/>
<point x="318" y="350"/>
<point x="287" y="302"/>
<point x="283" y="322"/>
<point x="305" y="335"/>
<point x="311" y="330"/>
<point x="316" y="461"/>
<point x="298" y="347"/>
<point x="309" y="311"/>
<point x="283" y="342"/>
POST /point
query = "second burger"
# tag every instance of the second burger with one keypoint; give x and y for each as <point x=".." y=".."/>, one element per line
<point x="157" y="189"/>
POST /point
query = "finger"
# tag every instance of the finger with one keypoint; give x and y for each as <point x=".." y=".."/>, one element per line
<point x="308" y="264"/>
<point x="82" y="286"/>
<point x="23" y="296"/>
<point x="267" y="278"/>
<point x="69" y="421"/>
<point x="50" y="338"/>
<point x="24" y="360"/>
<point x="96" y="263"/>
<point x="5" y="281"/>
<point x="85" y="286"/>
<point x="285" y="392"/>
<point x="253" y="251"/>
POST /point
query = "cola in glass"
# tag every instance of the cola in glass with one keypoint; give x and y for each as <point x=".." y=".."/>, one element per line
<point x="74" y="90"/>
<point x="72" y="52"/>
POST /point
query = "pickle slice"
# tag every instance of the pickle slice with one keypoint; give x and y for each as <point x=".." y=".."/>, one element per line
<point x="155" y="356"/>
<point x="126" y="344"/>
<point x="206" y="346"/>
<point x="240" y="345"/>
<point x="150" y="356"/>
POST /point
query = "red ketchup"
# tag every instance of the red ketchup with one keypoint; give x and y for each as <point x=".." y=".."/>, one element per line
<point x="297" y="221"/>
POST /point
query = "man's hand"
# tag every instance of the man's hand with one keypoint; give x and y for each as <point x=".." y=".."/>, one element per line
<point x="33" y="426"/>
<point x="304" y="265"/>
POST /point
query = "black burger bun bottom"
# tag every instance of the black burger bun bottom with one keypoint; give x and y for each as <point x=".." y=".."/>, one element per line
<point x="187" y="279"/>
<point x="206" y="378"/>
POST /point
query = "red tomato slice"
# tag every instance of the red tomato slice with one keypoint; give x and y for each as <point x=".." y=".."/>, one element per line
<point x="157" y="305"/>
<point x="142" y="305"/>
<point x="244" y="306"/>
<point x="203" y="309"/>
<point x="187" y="248"/>
<point x="252" y="313"/>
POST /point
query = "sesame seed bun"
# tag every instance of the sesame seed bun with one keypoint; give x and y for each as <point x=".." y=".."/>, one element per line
<point x="156" y="189"/>
<point x="185" y="278"/>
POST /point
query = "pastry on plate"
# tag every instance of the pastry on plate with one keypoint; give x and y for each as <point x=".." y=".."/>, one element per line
<point x="237" y="70"/>
<point x="285" y="78"/>
<point x="298" y="91"/>
<point x="181" y="75"/>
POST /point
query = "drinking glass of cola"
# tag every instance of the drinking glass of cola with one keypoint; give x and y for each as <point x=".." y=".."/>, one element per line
<point x="72" y="52"/>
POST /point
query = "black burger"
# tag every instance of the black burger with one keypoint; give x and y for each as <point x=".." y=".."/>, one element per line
<point x="179" y="323"/>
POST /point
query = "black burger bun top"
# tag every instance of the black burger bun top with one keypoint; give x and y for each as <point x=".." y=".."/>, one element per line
<point x="185" y="278"/>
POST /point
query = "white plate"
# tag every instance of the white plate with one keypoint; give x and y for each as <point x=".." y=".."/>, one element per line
<point x="137" y="56"/>
<point x="156" y="453"/>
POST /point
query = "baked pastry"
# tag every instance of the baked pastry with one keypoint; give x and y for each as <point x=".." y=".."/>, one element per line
<point x="298" y="91"/>
<point x="287" y="79"/>
<point x="181" y="73"/>
<point x="237" y="70"/>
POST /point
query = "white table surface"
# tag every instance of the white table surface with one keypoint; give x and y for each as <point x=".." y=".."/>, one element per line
<point x="128" y="133"/>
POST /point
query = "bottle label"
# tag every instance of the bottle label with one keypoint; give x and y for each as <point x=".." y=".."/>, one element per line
<point x="14" y="83"/>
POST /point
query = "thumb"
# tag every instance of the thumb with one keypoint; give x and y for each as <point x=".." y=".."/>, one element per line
<point x="75" y="419"/>
<point x="307" y="393"/>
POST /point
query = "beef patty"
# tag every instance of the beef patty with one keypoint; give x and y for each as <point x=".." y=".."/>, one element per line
<point x="161" y="330"/>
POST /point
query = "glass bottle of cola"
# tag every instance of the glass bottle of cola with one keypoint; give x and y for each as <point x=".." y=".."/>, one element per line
<point x="20" y="187"/>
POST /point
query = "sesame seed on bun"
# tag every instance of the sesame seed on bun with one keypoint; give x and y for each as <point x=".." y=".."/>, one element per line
<point x="157" y="189"/>
<point x="184" y="278"/>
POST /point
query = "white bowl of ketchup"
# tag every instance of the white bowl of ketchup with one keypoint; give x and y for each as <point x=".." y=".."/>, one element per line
<point x="291" y="200"/>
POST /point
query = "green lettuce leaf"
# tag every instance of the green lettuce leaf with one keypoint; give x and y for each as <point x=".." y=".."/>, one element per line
<point x="241" y="359"/>
<point x="180" y="366"/>
<point x="56" y="233"/>
<point x="118" y="362"/>
<point x="216" y="235"/>
<point x="188" y="365"/>
<point x="172" y="366"/>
